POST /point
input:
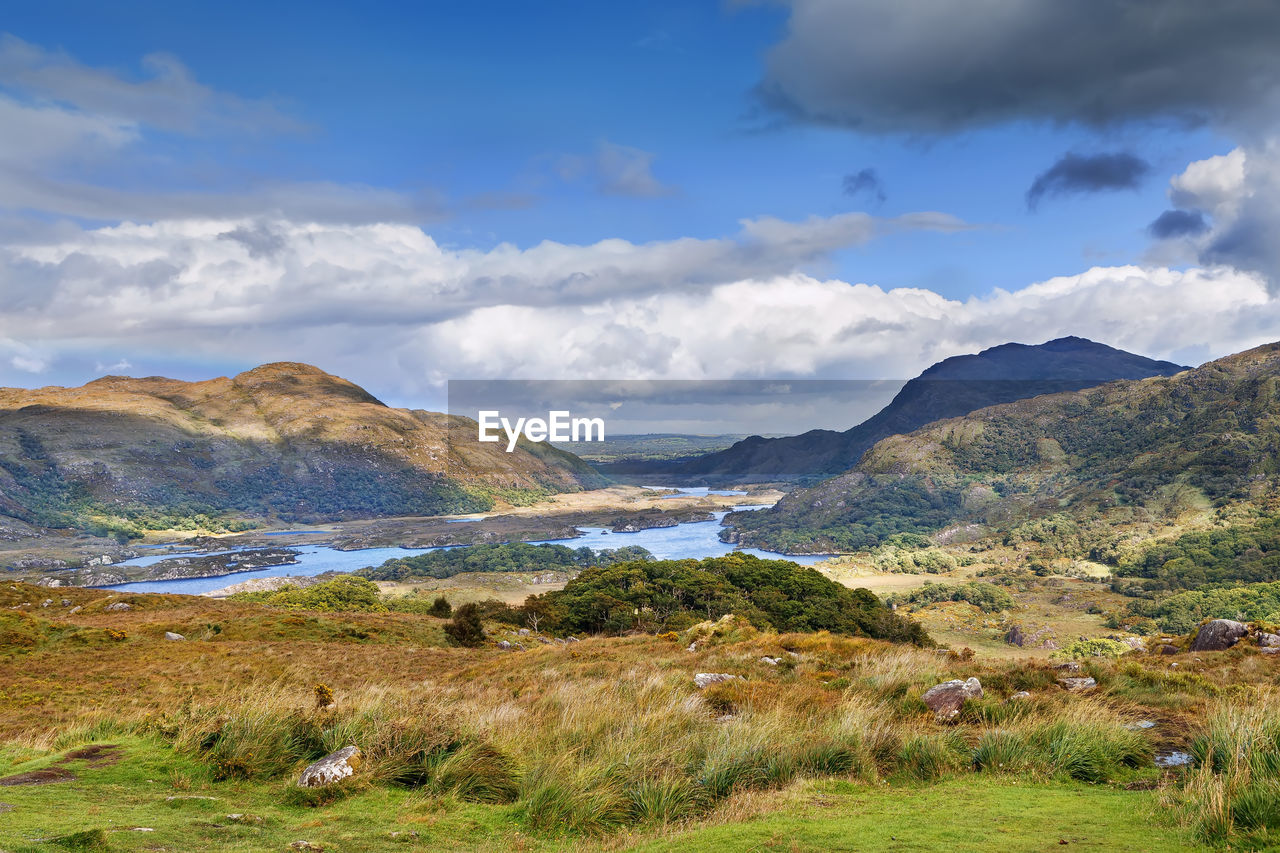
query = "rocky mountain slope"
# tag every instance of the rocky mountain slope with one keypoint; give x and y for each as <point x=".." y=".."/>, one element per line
<point x="953" y="387"/>
<point x="285" y="440"/>
<point x="1129" y="451"/>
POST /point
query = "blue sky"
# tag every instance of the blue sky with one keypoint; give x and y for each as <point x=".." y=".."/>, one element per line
<point x="518" y="123"/>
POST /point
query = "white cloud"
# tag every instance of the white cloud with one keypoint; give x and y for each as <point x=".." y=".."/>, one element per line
<point x="387" y="306"/>
<point x="1240" y="194"/>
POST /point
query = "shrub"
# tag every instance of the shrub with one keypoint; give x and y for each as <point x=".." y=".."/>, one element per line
<point x="441" y="608"/>
<point x="465" y="628"/>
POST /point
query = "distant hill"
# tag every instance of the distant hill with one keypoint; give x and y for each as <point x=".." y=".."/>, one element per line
<point x="1074" y="464"/>
<point x="285" y="440"/>
<point x="955" y="386"/>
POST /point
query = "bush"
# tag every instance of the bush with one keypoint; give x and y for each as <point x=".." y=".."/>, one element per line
<point x="441" y="608"/>
<point x="465" y="628"/>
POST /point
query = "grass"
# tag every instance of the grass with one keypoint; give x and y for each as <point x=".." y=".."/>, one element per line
<point x="605" y="742"/>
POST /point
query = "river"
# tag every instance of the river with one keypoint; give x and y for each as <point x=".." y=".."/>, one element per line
<point x="692" y="540"/>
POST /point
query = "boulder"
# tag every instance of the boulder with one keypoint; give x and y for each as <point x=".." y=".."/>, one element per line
<point x="770" y="661"/>
<point x="1075" y="685"/>
<point x="703" y="680"/>
<point x="332" y="768"/>
<point x="946" y="699"/>
<point x="1020" y="695"/>
<point x="118" y="606"/>
<point x="170" y="635"/>
<point x="505" y="645"/>
<point x="1167" y="649"/>
<point x="1218" y="635"/>
<point x="1068" y="666"/>
<point x="1270" y="641"/>
<point x="1014" y="636"/>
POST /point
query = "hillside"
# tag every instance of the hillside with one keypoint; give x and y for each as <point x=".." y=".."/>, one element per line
<point x="1067" y="465"/>
<point x="953" y="387"/>
<point x="285" y="439"/>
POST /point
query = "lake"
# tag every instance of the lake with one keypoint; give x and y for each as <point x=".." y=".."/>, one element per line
<point x="693" y="540"/>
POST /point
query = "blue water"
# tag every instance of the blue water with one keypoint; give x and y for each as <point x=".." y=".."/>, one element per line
<point x="693" y="540"/>
<point x="294" y="532"/>
<point x="699" y="491"/>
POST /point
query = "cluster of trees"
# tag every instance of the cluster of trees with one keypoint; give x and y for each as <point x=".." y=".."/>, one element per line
<point x="1182" y="612"/>
<point x="868" y="518"/>
<point x="663" y="595"/>
<point x="986" y="597"/>
<point x="915" y="554"/>
<point x="343" y="593"/>
<point x="508" y="557"/>
<point x="1239" y="554"/>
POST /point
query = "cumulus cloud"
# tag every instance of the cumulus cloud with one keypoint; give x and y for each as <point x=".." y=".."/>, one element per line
<point x="271" y="273"/>
<point x="1088" y="173"/>
<point x="865" y="183"/>
<point x="1237" y="196"/>
<point x="388" y="307"/>
<point x="935" y="66"/>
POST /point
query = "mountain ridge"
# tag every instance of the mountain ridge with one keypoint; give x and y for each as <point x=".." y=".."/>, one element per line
<point x="951" y="387"/>
<point x="284" y="439"/>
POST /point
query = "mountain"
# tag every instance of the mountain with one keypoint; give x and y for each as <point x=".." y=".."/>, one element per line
<point x="955" y="386"/>
<point x="285" y="440"/>
<point x="1081" y="464"/>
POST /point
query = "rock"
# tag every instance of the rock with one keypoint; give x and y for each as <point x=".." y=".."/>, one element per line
<point x="571" y="639"/>
<point x="170" y="635"/>
<point x="946" y="699"/>
<point x="523" y="632"/>
<point x="1068" y="666"/>
<point x="1014" y="637"/>
<point x="117" y="607"/>
<point x="307" y="846"/>
<point x="66" y="602"/>
<point x="1020" y="695"/>
<point x="1218" y="635"/>
<point x="1268" y="640"/>
<point x="1075" y="685"/>
<point x="693" y="647"/>
<point x="1269" y="650"/>
<point x="770" y="661"/>
<point x="46" y="602"/>
<point x="245" y="818"/>
<point x="703" y="680"/>
<point x="504" y="645"/>
<point x="332" y="768"/>
<point x="1166" y="649"/>
<point x="75" y="609"/>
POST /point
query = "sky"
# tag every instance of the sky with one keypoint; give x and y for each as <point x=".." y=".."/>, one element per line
<point x="408" y="193"/>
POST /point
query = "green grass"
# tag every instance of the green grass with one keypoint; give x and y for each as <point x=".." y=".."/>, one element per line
<point x="971" y="814"/>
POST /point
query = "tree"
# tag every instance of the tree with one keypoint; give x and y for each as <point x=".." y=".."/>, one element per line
<point x="465" y="628"/>
<point x="441" y="608"/>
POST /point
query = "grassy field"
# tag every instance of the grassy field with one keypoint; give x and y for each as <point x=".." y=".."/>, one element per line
<point x="599" y="744"/>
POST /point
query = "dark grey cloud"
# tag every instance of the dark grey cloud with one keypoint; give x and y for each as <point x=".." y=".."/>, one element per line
<point x="1178" y="223"/>
<point x="864" y="183"/>
<point x="936" y="66"/>
<point x="1081" y="173"/>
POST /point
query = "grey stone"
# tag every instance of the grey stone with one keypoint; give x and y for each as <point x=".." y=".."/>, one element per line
<point x="332" y="768"/>
<point x="170" y="635"/>
<point x="1075" y="685"/>
<point x="946" y="699"/>
<point x="1218" y="635"/>
<point x="1020" y="695"/>
<point x="703" y="680"/>
<point x="117" y="607"/>
<point x="1268" y="640"/>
